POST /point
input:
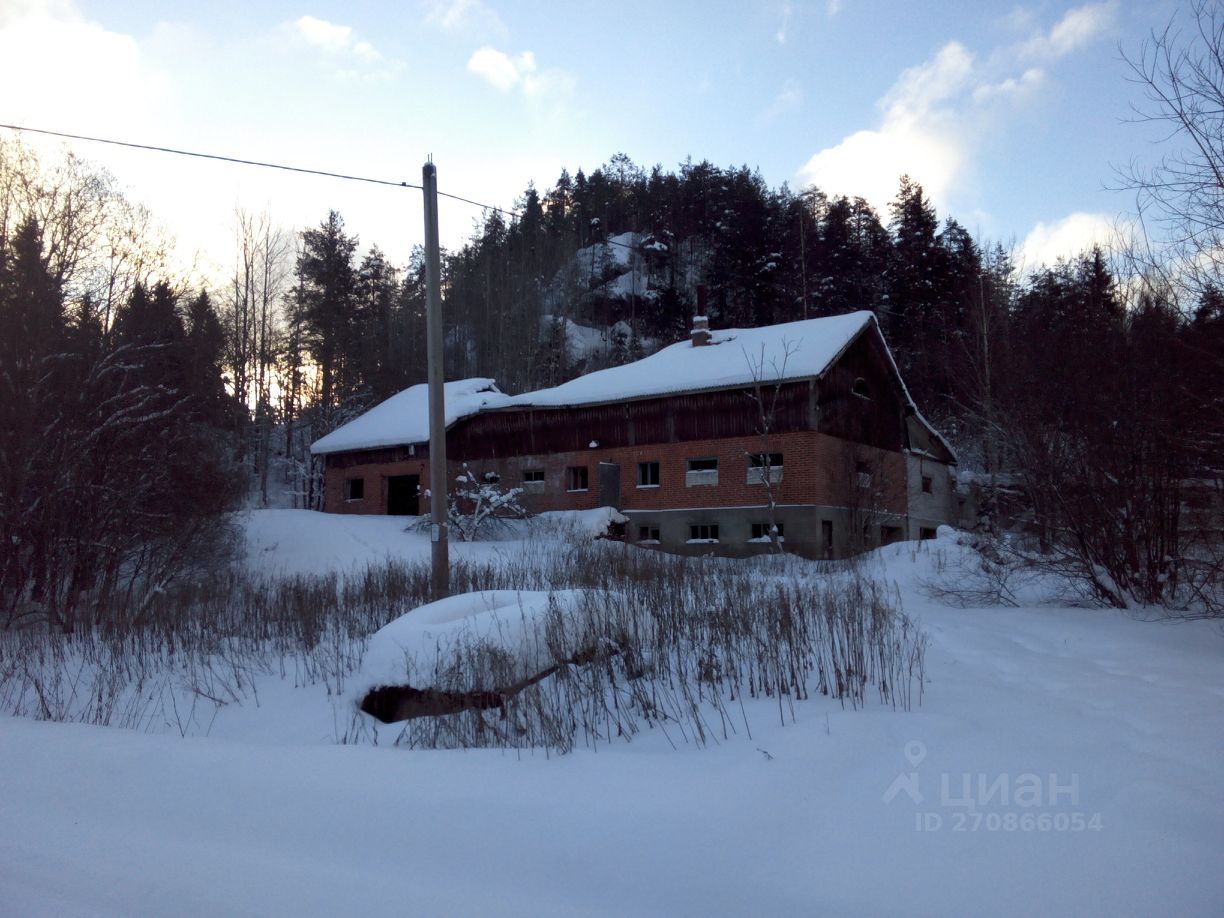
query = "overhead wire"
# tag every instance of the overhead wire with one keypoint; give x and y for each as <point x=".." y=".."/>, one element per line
<point x="155" y="148"/>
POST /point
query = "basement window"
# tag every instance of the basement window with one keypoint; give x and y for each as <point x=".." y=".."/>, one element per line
<point x="576" y="478"/>
<point x="925" y="532"/>
<point x="648" y="535"/>
<point x="648" y="475"/>
<point x="761" y="465"/>
<point x="701" y="472"/>
<point x="703" y="533"/>
<point x="760" y="532"/>
<point x="354" y="489"/>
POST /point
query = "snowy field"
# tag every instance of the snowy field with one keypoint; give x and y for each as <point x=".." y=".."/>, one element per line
<point x="1064" y="761"/>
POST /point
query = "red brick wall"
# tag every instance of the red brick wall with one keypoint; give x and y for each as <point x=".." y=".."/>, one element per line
<point x="335" y="485"/>
<point x="817" y="469"/>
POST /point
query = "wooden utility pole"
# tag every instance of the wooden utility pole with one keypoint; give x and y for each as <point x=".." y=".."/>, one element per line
<point x="440" y="570"/>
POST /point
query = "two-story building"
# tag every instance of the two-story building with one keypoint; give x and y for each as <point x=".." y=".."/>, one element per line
<point x="707" y="445"/>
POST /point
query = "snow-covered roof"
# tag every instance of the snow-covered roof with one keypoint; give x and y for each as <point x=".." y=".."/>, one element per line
<point x="404" y="417"/>
<point x="734" y="357"/>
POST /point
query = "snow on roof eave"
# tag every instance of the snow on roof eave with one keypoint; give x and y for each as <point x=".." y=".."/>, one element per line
<point x="662" y="393"/>
<point x="389" y="444"/>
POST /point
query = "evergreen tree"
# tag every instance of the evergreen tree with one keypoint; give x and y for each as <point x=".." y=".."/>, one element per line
<point x="327" y="307"/>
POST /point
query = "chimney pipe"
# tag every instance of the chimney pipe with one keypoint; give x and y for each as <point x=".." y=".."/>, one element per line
<point x="700" y="334"/>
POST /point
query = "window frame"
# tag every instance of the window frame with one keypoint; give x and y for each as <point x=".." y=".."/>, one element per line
<point x="575" y="474"/>
<point x="758" y="463"/>
<point x="706" y="477"/>
<point x="648" y="467"/>
<point x="349" y="483"/>
<point x="710" y="537"/>
<point x="759" y="531"/>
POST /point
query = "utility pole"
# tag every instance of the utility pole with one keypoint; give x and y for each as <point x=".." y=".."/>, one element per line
<point x="440" y="569"/>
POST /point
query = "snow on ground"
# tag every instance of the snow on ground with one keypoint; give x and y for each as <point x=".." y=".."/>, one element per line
<point x="843" y="812"/>
<point x="288" y="542"/>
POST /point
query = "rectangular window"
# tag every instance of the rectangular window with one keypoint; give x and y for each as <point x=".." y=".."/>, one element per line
<point x="703" y="532"/>
<point x="648" y="534"/>
<point x="533" y="480"/>
<point x="762" y="464"/>
<point x="925" y="532"/>
<point x="926" y="484"/>
<point x="701" y="472"/>
<point x="354" y="489"/>
<point x="648" y="475"/>
<point x="890" y="534"/>
<point x="826" y="537"/>
<point x="576" y="478"/>
<point x="760" y="532"/>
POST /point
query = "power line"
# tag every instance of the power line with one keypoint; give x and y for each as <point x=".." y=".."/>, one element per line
<point x="247" y="162"/>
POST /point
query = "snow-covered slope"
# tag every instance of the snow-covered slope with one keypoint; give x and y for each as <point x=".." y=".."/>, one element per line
<point x="861" y="813"/>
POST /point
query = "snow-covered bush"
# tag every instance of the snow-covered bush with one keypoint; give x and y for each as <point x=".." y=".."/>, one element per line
<point x="480" y="503"/>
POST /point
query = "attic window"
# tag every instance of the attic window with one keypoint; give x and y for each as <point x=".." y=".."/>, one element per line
<point x="861" y="389"/>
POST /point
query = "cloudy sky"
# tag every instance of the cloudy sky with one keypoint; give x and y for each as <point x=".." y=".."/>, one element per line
<point x="1013" y="116"/>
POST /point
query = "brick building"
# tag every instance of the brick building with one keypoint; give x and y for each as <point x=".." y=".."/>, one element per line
<point x="705" y="445"/>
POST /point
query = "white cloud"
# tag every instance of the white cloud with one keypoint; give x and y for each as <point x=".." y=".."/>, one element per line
<point x="1077" y="28"/>
<point x="1066" y="238"/>
<point x="334" y="39"/>
<point x="919" y="135"/>
<point x="499" y="69"/>
<point x="101" y="83"/>
<point x="788" y="100"/>
<point x="780" y="35"/>
<point x="324" y="34"/>
<point x="507" y="72"/>
<point x="1012" y="87"/>
<point x="939" y="113"/>
<point x="465" y="16"/>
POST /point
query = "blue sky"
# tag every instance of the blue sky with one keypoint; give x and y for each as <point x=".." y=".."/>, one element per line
<point x="1011" y="115"/>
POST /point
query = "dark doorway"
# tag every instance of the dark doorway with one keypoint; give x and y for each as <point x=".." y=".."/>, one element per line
<point x="609" y="485"/>
<point x="403" y="497"/>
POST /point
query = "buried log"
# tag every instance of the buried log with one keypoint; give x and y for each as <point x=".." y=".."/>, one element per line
<point x="393" y="703"/>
